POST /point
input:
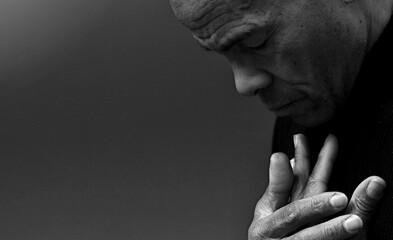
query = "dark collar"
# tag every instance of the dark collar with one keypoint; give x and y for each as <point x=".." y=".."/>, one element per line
<point x="373" y="83"/>
<point x="372" y="90"/>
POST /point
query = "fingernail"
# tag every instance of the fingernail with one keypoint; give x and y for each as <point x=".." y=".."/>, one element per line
<point x="375" y="189"/>
<point x="353" y="224"/>
<point x="292" y="162"/>
<point x="339" y="200"/>
<point x="295" y="140"/>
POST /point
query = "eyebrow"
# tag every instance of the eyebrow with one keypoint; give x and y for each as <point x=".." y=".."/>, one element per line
<point x="238" y="37"/>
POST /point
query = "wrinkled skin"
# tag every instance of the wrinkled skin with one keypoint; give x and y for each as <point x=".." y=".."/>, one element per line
<point x="301" y="57"/>
<point x="308" y="213"/>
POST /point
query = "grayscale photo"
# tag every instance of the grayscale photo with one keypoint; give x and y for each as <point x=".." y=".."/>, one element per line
<point x="196" y="120"/>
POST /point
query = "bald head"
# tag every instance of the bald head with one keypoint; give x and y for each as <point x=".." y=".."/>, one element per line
<point x="210" y="19"/>
<point x="301" y="57"/>
<point x="189" y="11"/>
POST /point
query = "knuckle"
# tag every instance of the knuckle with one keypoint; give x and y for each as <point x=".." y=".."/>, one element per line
<point x="289" y="215"/>
<point x="260" y="230"/>
<point x="332" y="232"/>
<point x="252" y="233"/>
<point x="271" y="225"/>
<point x="312" y="182"/>
<point x="321" y="232"/>
<point x="313" y="186"/>
<point x="318" y="206"/>
<point x="363" y="206"/>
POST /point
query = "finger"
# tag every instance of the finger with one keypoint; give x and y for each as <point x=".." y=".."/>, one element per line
<point x="320" y="175"/>
<point x="279" y="188"/>
<point x="336" y="229"/>
<point x="365" y="198"/>
<point x="292" y="162"/>
<point x="297" y="214"/>
<point x="301" y="169"/>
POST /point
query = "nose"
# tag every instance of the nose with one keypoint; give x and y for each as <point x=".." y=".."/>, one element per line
<point x="249" y="79"/>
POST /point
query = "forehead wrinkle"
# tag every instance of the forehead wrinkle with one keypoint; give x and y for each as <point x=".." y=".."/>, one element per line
<point x="209" y="16"/>
<point x="216" y="24"/>
<point x="207" y="13"/>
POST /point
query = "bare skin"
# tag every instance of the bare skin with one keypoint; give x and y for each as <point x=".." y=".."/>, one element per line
<point x="301" y="58"/>
<point x="306" y="215"/>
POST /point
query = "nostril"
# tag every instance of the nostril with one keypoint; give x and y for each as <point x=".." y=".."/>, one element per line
<point x="255" y="92"/>
<point x="247" y="90"/>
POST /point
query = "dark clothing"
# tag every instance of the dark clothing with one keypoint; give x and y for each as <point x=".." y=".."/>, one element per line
<point x="364" y="129"/>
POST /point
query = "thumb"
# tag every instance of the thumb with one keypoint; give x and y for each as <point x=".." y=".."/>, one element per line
<point x="365" y="198"/>
<point x="279" y="188"/>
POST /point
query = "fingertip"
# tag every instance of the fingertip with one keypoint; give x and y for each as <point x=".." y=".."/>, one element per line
<point x="301" y="148"/>
<point x="280" y="180"/>
<point x="295" y="140"/>
<point x="300" y="138"/>
<point x="331" y="141"/>
<point x="328" y="153"/>
<point x="378" y="180"/>
<point x="339" y="200"/>
<point x="376" y="188"/>
<point x="353" y="224"/>
<point x="278" y="157"/>
<point x="279" y="166"/>
<point x="331" y="138"/>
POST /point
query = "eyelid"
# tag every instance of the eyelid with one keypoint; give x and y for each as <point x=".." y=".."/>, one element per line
<point x="227" y="42"/>
<point x="236" y="39"/>
<point x="259" y="47"/>
<point x="260" y="40"/>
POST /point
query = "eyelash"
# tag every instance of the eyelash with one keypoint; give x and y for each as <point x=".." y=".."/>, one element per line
<point x="254" y="48"/>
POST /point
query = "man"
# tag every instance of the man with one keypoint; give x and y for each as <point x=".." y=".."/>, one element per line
<point x="323" y="68"/>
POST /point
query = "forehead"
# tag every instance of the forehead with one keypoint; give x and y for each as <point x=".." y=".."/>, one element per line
<point x="216" y="23"/>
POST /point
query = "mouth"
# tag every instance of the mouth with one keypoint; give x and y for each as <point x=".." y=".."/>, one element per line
<point x="283" y="109"/>
<point x="277" y="107"/>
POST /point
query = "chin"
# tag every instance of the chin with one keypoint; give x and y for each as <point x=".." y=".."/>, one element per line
<point x="313" y="119"/>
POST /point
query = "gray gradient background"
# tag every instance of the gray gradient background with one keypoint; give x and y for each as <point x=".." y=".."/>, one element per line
<point x="116" y="125"/>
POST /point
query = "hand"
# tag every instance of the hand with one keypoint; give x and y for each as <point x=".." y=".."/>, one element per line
<point x="365" y="196"/>
<point x="274" y="218"/>
<point x="364" y="200"/>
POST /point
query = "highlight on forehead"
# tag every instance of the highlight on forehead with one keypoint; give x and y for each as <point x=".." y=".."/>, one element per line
<point x="203" y="17"/>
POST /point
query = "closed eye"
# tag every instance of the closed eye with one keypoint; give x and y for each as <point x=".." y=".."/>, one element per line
<point x="253" y="48"/>
<point x="255" y="41"/>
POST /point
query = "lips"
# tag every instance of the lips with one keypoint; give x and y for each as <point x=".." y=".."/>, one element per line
<point x="282" y="109"/>
<point x="277" y="107"/>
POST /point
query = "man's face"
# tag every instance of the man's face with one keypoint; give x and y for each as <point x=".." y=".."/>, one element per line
<point x="299" y="56"/>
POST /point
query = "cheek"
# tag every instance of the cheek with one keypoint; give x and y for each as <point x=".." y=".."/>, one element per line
<point x="315" y="60"/>
<point x="306" y="64"/>
<point x="293" y="52"/>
